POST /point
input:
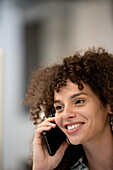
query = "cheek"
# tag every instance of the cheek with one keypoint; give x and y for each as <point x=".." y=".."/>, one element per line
<point x="92" y="113"/>
<point x="58" y="120"/>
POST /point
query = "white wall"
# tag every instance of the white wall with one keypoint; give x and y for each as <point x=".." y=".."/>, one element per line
<point x="17" y="129"/>
<point x="94" y="25"/>
<point x="1" y="103"/>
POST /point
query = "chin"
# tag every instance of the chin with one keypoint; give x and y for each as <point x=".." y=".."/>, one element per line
<point x="74" y="141"/>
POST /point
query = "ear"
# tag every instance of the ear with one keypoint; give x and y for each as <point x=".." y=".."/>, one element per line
<point x="109" y="109"/>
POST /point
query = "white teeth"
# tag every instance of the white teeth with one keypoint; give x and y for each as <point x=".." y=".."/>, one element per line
<point x="73" y="126"/>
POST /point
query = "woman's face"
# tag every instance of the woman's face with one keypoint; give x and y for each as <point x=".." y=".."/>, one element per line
<point x="80" y="114"/>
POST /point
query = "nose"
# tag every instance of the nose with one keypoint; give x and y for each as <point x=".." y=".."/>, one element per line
<point x="69" y="113"/>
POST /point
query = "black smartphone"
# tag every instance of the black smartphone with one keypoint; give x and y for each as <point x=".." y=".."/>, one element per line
<point x="53" y="139"/>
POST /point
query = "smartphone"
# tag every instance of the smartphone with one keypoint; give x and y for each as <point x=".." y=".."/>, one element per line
<point x="53" y="139"/>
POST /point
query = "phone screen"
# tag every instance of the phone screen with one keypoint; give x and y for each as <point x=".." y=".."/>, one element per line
<point x="53" y="139"/>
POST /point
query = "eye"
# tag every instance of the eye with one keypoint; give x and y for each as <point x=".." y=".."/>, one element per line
<point x="58" y="108"/>
<point x="79" y="101"/>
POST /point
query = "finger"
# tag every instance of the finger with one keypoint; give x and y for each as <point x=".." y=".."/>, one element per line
<point x="38" y="131"/>
<point x="46" y="124"/>
<point x="50" y="119"/>
<point x="62" y="149"/>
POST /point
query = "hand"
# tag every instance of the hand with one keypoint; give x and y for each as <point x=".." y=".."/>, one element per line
<point x="41" y="158"/>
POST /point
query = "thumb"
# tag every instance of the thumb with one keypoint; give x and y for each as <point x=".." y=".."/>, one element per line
<point x="62" y="149"/>
<point x="60" y="153"/>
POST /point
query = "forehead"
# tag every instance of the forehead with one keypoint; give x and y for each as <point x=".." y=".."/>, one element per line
<point x="72" y="88"/>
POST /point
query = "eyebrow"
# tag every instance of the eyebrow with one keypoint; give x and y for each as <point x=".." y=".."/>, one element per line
<point x="78" y="94"/>
<point x="72" y="97"/>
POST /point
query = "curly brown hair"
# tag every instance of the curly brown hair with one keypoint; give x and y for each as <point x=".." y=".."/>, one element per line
<point x="94" y="67"/>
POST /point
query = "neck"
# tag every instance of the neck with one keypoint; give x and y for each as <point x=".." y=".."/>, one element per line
<point x="99" y="152"/>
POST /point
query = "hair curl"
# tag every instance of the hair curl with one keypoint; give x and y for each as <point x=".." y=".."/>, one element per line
<point x="94" y="67"/>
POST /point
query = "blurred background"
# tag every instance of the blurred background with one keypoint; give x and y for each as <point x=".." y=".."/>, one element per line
<point x="40" y="31"/>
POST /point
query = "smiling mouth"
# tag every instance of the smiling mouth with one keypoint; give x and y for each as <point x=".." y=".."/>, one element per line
<point x="71" y="127"/>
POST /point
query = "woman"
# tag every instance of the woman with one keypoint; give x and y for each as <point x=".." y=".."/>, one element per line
<point x="80" y="90"/>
